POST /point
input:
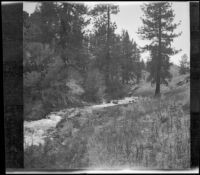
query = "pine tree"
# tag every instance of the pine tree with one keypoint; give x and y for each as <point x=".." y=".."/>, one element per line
<point x="70" y="34"/>
<point x="45" y="17"/>
<point x="137" y="63"/>
<point x="127" y="57"/>
<point x="158" y="27"/>
<point x="54" y="40"/>
<point x="184" y="64"/>
<point x="102" y="14"/>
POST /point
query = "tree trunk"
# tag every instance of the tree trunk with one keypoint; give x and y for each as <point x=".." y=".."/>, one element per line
<point x="157" y="91"/>
<point x="108" y="45"/>
<point x="159" y="57"/>
<point x="138" y="79"/>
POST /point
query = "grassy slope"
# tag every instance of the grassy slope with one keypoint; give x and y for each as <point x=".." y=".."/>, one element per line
<point x="151" y="133"/>
<point x="146" y="89"/>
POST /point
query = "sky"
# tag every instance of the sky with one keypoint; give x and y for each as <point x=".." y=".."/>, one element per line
<point x="129" y="18"/>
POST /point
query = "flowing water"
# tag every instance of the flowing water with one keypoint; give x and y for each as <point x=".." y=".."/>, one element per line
<point x="36" y="131"/>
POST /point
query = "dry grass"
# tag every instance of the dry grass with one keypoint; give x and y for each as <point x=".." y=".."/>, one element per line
<point x="159" y="139"/>
<point x="148" y="134"/>
<point x="151" y="133"/>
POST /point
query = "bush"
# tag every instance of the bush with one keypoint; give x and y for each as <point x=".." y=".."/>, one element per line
<point x="116" y="90"/>
<point x="53" y="154"/>
<point x="34" y="110"/>
<point x="94" y="86"/>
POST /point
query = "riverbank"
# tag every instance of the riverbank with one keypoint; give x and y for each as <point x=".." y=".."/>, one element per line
<point x="149" y="133"/>
<point x="35" y="132"/>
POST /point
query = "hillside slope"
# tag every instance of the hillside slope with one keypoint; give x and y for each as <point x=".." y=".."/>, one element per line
<point x="149" y="133"/>
<point x="178" y="81"/>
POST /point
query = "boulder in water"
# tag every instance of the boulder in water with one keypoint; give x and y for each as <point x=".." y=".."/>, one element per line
<point x="115" y="101"/>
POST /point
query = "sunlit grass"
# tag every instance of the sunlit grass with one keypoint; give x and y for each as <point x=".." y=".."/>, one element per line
<point x="149" y="134"/>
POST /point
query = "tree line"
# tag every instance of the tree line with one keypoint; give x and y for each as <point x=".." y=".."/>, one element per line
<point x="58" y="42"/>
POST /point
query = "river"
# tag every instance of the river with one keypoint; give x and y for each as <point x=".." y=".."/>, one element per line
<point x="35" y="132"/>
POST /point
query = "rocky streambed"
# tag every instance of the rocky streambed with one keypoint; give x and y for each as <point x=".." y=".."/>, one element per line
<point x="35" y="132"/>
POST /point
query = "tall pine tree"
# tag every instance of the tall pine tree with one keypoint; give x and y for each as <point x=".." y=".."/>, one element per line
<point x="102" y="14"/>
<point x="158" y="27"/>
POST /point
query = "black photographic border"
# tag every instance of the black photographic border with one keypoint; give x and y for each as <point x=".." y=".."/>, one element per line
<point x="12" y="47"/>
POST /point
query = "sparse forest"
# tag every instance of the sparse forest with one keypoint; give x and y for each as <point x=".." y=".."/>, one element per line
<point x="58" y="49"/>
<point x="90" y="99"/>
